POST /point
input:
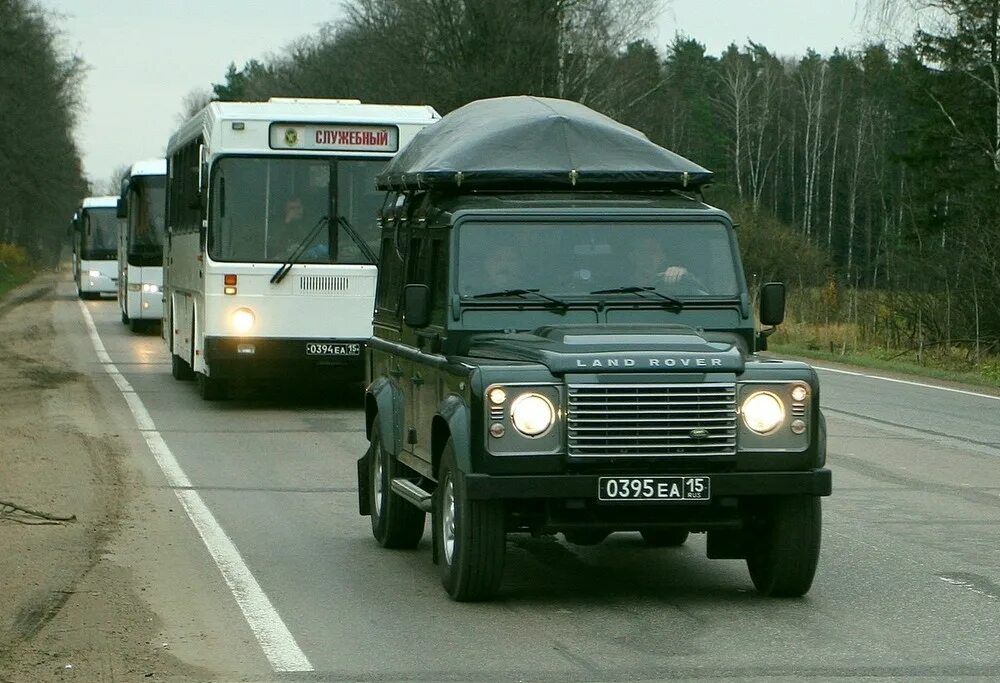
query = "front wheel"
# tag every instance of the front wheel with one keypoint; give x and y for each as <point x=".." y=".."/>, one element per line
<point x="395" y="522"/>
<point x="784" y="547"/>
<point x="212" y="388"/>
<point x="180" y="368"/>
<point x="469" y="536"/>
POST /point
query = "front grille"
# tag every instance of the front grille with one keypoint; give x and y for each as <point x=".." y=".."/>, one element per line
<point x="612" y="420"/>
<point x="323" y="283"/>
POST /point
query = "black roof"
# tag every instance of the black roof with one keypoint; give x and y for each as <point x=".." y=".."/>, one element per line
<point x="535" y="143"/>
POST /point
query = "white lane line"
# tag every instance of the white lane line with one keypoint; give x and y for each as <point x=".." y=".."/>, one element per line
<point x="903" y="381"/>
<point x="279" y="646"/>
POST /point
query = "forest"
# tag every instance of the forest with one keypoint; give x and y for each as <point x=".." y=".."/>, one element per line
<point x="41" y="175"/>
<point x="865" y="179"/>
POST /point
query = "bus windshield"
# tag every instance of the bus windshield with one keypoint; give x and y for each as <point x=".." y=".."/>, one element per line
<point x="146" y="209"/>
<point x="686" y="260"/>
<point x="263" y="209"/>
<point x="100" y="234"/>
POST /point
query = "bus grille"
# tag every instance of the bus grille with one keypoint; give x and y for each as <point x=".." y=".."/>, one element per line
<point x="323" y="283"/>
<point x="613" y="420"/>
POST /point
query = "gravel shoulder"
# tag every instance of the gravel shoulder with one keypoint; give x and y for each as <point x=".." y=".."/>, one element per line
<point x="68" y="608"/>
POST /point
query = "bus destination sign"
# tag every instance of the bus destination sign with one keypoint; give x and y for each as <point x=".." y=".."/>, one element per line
<point x="334" y="137"/>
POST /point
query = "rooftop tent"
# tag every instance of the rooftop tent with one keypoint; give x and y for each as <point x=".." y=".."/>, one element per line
<point x="535" y="143"/>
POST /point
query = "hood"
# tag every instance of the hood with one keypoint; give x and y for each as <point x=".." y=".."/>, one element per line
<point x="616" y="348"/>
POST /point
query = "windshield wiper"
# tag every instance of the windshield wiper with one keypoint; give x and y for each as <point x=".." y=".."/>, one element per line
<point x="520" y="293"/>
<point x="675" y="303"/>
<point x="300" y="249"/>
<point x="365" y="249"/>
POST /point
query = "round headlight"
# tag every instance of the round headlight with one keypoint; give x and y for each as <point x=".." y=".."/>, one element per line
<point x="799" y="392"/>
<point x="762" y="412"/>
<point x="243" y="320"/>
<point x="497" y="396"/>
<point x="150" y="289"/>
<point x="532" y="414"/>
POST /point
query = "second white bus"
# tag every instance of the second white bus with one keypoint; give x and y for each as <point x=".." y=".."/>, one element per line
<point x="140" y="243"/>
<point x="95" y="247"/>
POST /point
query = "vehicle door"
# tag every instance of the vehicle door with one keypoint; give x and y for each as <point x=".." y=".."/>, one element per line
<point x="427" y="375"/>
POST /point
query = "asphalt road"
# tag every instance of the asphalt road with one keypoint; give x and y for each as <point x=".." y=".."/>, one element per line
<point x="908" y="583"/>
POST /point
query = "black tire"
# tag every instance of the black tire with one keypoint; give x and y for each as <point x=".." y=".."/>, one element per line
<point x="125" y="320"/>
<point x="784" y="546"/>
<point x="395" y="522"/>
<point x="136" y="325"/>
<point x="469" y="536"/>
<point x="586" y="536"/>
<point x="664" y="538"/>
<point x="180" y="368"/>
<point x="212" y="388"/>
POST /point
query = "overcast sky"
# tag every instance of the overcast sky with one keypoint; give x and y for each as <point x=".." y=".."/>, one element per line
<point x="145" y="56"/>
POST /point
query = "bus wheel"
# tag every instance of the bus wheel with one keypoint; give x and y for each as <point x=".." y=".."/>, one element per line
<point x="212" y="389"/>
<point x="125" y="319"/>
<point x="136" y="325"/>
<point x="180" y="368"/>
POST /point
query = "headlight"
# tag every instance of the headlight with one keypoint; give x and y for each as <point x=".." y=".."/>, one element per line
<point x="243" y="320"/>
<point x="532" y="414"/>
<point x="94" y="273"/>
<point x="762" y="412"/>
<point x="153" y="289"/>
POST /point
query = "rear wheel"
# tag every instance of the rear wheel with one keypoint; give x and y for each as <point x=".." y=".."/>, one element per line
<point x="664" y="538"/>
<point x="784" y="546"/>
<point x="136" y="325"/>
<point x="395" y="522"/>
<point x="469" y="536"/>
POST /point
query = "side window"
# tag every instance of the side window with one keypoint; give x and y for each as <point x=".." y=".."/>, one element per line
<point x="438" y="268"/>
<point x="414" y="258"/>
<point x="390" y="277"/>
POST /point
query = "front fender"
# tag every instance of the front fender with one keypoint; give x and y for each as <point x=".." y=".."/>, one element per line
<point x="455" y="418"/>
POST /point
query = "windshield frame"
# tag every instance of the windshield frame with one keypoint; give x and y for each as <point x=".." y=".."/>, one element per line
<point x="333" y="222"/>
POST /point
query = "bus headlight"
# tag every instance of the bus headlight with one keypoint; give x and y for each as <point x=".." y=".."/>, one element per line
<point x="532" y="414"/>
<point x="762" y="412"/>
<point x="243" y="320"/>
<point x="152" y="289"/>
<point x="94" y="273"/>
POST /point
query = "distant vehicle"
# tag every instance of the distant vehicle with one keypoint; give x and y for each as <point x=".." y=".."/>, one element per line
<point x="140" y="243"/>
<point x="95" y="247"/>
<point x="564" y="343"/>
<point x="270" y="259"/>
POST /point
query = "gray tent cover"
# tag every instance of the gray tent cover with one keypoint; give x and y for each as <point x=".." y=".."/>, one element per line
<point x="535" y="143"/>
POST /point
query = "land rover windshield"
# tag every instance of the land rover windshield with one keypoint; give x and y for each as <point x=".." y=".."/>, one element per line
<point x="686" y="260"/>
<point x="264" y="209"/>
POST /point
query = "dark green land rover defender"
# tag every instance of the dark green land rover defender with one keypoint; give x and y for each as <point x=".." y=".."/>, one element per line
<point x="564" y="343"/>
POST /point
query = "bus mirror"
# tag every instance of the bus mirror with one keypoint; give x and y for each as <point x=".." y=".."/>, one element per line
<point x="122" y="207"/>
<point x="416" y="305"/>
<point x="772" y="303"/>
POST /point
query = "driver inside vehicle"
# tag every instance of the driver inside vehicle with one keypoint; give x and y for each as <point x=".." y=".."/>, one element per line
<point x="649" y="264"/>
<point x="502" y="268"/>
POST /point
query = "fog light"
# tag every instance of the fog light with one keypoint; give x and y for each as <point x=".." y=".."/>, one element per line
<point x="246" y="349"/>
<point x="145" y="304"/>
<point x="798" y="426"/>
<point x="229" y="290"/>
<point x="243" y="320"/>
<point x="497" y="430"/>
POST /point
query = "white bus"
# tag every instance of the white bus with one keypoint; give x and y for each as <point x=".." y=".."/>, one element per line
<point x="95" y="247"/>
<point x="140" y="243"/>
<point x="270" y="260"/>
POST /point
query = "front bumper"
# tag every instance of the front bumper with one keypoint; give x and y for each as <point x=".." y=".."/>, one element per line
<point x="228" y="357"/>
<point x="818" y="482"/>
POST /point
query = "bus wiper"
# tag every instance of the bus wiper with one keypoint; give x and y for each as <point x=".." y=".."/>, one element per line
<point x="520" y="293"/>
<point x="365" y="249"/>
<point x="674" y="303"/>
<point x="300" y="249"/>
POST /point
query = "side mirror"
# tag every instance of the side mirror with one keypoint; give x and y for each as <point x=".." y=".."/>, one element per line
<point x="772" y="303"/>
<point x="122" y="207"/>
<point x="416" y="305"/>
